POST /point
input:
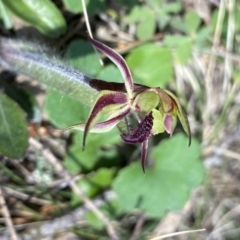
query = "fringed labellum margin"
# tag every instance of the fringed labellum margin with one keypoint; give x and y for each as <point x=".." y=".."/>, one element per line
<point x="156" y="110"/>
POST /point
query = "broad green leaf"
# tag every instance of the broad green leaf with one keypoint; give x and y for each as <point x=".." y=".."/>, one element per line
<point x="181" y="46"/>
<point x="63" y="111"/>
<point x="83" y="57"/>
<point x="146" y="28"/>
<point x="77" y="160"/>
<point x="192" y="22"/>
<point x="184" y="52"/>
<point x="167" y="185"/>
<point x="151" y="65"/>
<point x="42" y="14"/>
<point x="13" y="128"/>
<point x="110" y="73"/>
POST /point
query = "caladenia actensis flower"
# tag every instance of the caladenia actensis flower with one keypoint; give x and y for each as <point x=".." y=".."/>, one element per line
<point x="154" y="110"/>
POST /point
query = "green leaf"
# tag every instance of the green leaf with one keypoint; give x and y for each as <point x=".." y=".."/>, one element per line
<point x="167" y="185"/>
<point x="110" y="209"/>
<point x="77" y="160"/>
<point x="110" y="73"/>
<point x="182" y="47"/>
<point x="151" y="65"/>
<point x="192" y="22"/>
<point x="63" y="111"/>
<point x="83" y="57"/>
<point x="13" y="128"/>
<point x="177" y="23"/>
<point x="42" y="14"/>
<point x="145" y="19"/>
<point x="74" y="6"/>
<point x="146" y="28"/>
<point x="172" y="7"/>
<point x="94" y="183"/>
<point x="93" y="7"/>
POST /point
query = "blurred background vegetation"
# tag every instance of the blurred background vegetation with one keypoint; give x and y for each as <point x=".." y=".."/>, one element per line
<point x="51" y="189"/>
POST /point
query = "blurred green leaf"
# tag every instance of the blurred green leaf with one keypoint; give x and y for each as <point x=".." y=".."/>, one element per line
<point x="145" y="19"/>
<point x="146" y="28"/>
<point x="74" y="6"/>
<point x="177" y="23"/>
<point x="163" y="19"/>
<point x="151" y="65"/>
<point x="192" y="22"/>
<point x="42" y="14"/>
<point x="77" y="160"/>
<point x="110" y="73"/>
<point x="174" y="7"/>
<point x="93" y="7"/>
<point x="110" y="209"/>
<point x="166" y="186"/>
<point x="13" y="128"/>
<point x="94" y="183"/>
<point x="63" y="111"/>
<point x="83" y="57"/>
<point x="181" y="46"/>
<point x="5" y="15"/>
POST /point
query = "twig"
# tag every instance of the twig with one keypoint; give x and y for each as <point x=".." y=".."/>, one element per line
<point x="7" y="217"/>
<point x="177" y="234"/>
<point x="138" y="227"/>
<point x="25" y="197"/>
<point x="75" y="188"/>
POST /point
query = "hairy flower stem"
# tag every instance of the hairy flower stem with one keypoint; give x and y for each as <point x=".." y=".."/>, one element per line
<point x="31" y="60"/>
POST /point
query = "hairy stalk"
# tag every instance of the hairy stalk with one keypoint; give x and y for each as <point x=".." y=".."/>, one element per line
<point x="34" y="62"/>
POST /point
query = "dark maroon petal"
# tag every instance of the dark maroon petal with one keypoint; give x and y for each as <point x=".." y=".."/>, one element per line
<point x="118" y="60"/>
<point x="100" y="85"/>
<point x="142" y="132"/>
<point x="113" y="98"/>
<point x="144" y="154"/>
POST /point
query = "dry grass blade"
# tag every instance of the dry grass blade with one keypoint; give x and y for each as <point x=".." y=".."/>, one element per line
<point x="177" y="234"/>
<point x="7" y="217"/>
<point x="210" y="70"/>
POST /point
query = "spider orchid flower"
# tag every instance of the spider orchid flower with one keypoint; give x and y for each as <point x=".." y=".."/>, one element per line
<point x="155" y="110"/>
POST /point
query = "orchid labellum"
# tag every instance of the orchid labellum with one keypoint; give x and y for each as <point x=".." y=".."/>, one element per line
<point x="155" y="110"/>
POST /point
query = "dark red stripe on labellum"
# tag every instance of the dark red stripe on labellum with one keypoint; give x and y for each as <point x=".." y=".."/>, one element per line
<point x="144" y="154"/>
<point x="142" y="132"/>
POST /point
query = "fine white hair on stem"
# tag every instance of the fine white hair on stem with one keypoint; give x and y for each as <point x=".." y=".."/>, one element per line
<point x="89" y="27"/>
